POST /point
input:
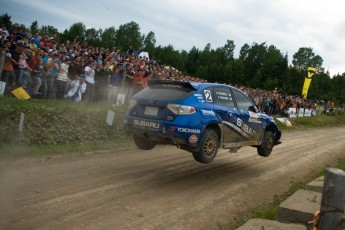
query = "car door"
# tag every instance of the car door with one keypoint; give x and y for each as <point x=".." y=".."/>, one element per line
<point x="250" y="119"/>
<point x="224" y="108"/>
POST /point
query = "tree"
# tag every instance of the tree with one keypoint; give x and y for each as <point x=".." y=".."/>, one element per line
<point x="108" y="37"/>
<point x="128" y="35"/>
<point x="192" y="59"/>
<point x="49" y="30"/>
<point x="92" y="37"/>
<point x="149" y="42"/>
<point x="34" y="27"/>
<point x="76" y="32"/>
<point x="305" y="57"/>
<point x="6" y="20"/>
<point x="228" y="49"/>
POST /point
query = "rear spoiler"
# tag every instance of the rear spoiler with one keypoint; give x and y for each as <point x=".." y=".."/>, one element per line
<point x="173" y="84"/>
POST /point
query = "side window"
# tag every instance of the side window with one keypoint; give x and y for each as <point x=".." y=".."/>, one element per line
<point x="242" y="100"/>
<point x="222" y="96"/>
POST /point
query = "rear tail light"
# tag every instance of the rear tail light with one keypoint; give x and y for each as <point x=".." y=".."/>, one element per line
<point x="181" y="109"/>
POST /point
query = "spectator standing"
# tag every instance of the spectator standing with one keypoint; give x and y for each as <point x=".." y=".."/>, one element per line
<point x="62" y="78"/>
<point x="24" y="76"/>
<point x="7" y="74"/>
<point x="4" y="31"/>
<point x="137" y="82"/>
<point x="52" y="65"/>
<point x="89" y="72"/>
<point x="114" y="84"/>
<point x="38" y="71"/>
<point x="75" y="69"/>
<point x="102" y="75"/>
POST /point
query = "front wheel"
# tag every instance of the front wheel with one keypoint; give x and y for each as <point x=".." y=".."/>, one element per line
<point x="267" y="144"/>
<point x="208" y="147"/>
<point x="143" y="143"/>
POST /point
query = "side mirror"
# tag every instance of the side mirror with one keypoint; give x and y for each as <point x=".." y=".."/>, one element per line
<point x="253" y="109"/>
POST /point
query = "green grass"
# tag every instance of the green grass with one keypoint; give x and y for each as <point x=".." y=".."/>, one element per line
<point x="53" y="126"/>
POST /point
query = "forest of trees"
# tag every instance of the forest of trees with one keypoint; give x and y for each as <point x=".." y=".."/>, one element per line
<point x="258" y="65"/>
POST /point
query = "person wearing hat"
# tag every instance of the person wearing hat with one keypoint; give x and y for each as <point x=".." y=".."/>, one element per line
<point x="7" y="74"/>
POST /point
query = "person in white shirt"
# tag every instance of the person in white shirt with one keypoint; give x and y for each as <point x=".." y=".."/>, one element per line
<point x="62" y="77"/>
<point x="89" y="72"/>
<point x="78" y="87"/>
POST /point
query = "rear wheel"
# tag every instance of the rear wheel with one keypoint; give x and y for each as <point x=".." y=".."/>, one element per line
<point x="143" y="143"/>
<point x="267" y="144"/>
<point x="208" y="147"/>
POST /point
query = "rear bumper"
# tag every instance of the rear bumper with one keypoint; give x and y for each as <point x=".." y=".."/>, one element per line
<point x="164" y="132"/>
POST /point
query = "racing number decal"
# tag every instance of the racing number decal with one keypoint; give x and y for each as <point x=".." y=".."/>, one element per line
<point x="208" y="95"/>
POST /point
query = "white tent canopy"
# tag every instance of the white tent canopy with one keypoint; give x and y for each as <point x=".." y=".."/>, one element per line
<point x="144" y="54"/>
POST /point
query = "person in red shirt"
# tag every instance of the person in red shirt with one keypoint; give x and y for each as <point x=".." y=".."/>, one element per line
<point x="137" y="81"/>
<point x="7" y="74"/>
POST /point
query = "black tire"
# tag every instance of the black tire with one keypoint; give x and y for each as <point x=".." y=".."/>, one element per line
<point x="267" y="144"/>
<point x="143" y="143"/>
<point x="208" y="147"/>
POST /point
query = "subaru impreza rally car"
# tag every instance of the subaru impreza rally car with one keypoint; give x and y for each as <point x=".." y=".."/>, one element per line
<point x="199" y="118"/>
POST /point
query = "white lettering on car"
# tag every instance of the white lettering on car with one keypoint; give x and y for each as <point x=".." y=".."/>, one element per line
<point x="208" y="95"/>
<point x="207" y="112"/>
<point x="146" y="124"/>
<point x="245" y="127"/>
<point x="188" y="130"/>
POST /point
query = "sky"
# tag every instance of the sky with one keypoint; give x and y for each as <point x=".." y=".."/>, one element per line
<point x="184" y="24"/>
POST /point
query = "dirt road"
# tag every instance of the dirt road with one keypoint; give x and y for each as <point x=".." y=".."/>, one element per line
<point x="159" y="189"/>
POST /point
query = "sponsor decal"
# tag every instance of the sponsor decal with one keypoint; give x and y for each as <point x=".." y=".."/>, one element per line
<point x="188" y="130"/>
<point x="207" y="112"/>
<point x="231" y="117"/>
<point x="208" y="95"/>
<point x="147" y="124"/>
<point x="199" y="96"/>
<point x="255" y="117"/>
<point x="243" y="126"/>
<point x="193" y="139"/>
<point x="221" y="93"/>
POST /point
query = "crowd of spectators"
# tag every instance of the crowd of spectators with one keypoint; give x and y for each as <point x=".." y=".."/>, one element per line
<point x="46" y="68"/>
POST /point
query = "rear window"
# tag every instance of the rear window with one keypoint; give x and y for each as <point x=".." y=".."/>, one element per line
<point x="167" y="91"/>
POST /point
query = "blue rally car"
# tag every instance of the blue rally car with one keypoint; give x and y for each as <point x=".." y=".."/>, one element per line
<point x="199" y="118"/>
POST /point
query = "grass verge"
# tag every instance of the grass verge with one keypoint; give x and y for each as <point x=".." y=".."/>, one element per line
<point x="269" y="211"/>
